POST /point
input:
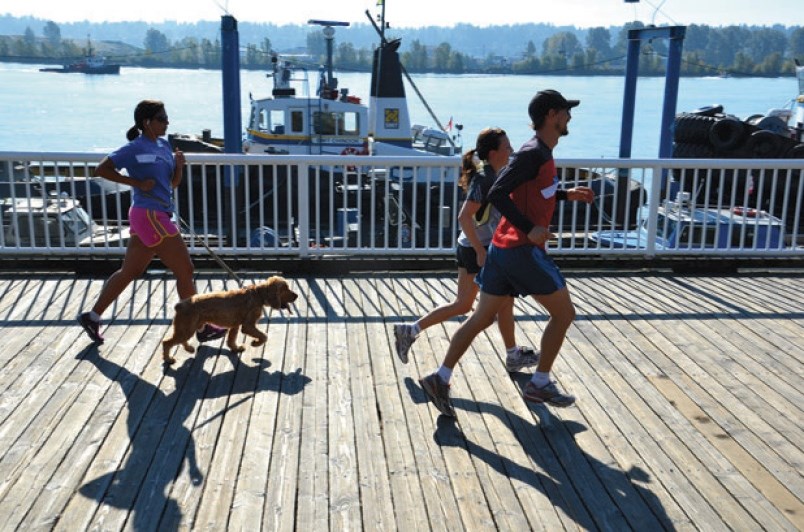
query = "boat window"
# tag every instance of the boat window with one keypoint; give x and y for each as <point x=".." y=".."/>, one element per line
<point x="351" y="124"/>
<point x="75" y="222"/>
<point x="697" y="236"/>
<point x="325" y="123"/>
<point x="336" y="123"/>
<point x="262" y="123"/>
<point x="664" y="227"/>
<point x="278" y="122"/>
<point x="297" y="121"/>
<point x="738" y="241"/>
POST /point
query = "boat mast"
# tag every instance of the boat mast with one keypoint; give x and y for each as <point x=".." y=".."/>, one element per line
<point x="329" y="34"/>
<point x="382" y="21"/>
<point x="384" y="42"/>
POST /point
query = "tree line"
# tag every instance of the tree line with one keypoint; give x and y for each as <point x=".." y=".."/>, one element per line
<point x="730" y="50"/>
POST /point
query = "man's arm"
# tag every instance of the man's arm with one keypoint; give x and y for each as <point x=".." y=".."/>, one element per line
<point x="523" y="166"/>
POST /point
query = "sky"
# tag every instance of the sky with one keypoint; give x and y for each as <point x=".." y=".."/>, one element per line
<point x="416" y="13"/>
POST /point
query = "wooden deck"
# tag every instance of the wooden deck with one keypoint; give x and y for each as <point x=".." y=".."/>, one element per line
<point x="689" y="413"/>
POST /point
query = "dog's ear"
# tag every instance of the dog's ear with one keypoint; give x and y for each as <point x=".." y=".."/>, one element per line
<point x="269" y="290"/>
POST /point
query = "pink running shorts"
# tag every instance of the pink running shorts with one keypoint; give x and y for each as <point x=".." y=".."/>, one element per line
<point x="151" y="226"/>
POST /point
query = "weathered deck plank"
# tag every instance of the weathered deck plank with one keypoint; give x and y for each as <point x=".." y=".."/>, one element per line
<point x="689" y="413"/>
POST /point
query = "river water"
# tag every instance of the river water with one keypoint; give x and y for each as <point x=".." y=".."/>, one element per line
<point x="42" y="111"/>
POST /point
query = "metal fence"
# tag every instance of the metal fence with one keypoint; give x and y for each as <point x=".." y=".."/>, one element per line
<point x="321" y="206"/>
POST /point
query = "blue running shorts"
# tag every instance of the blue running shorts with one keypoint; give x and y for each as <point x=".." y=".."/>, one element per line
<point x="520" y="271"/>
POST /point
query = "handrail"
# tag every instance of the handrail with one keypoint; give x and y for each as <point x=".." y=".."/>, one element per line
<point x="320" y="206"/>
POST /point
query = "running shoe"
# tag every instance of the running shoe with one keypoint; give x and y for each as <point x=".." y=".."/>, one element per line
<point x="404" y="339"/>
<point x="547" y="394"/>
<point x="210" y="332"/>
<point x="437" y="391"/>
<point x="91" y="327"/>
<point x="525" y="358"/>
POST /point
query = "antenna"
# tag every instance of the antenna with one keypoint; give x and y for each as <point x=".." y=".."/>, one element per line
<point x="329" y="35"/>
<point x="653" y="18"/>
<point x="225" y="8"/>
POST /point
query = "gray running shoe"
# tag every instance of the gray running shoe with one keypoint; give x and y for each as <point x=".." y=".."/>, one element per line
<point x="548" y="394"/>
<point x="525" y="358"/>
<point x="404" y="339"/>
<point x="437" y="391"/>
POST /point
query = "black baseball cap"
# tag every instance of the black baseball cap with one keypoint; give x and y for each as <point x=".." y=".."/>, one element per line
<point x="546" y="100"/>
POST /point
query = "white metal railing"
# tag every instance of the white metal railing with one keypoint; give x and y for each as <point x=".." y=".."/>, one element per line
<point x="318" y="206"/>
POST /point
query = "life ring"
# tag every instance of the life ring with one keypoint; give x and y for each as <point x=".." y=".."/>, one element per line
<point x="745" y="211"/>
<point x="351" y="150"/>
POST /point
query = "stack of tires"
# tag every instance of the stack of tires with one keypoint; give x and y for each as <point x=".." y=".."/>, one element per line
<point x="709" y="133"/>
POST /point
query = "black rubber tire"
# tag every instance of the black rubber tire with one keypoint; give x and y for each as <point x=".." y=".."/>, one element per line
<point x="708" y="110"/>
<point x="686" y="150"/>
<point x="771" y="123"/>
<point x="796" y="152"/>
<point x="764" y="144"/>
<point x="726" y="134"/>
<point x="692" y="129"/>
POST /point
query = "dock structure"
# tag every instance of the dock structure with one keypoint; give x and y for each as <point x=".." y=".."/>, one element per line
<point x="689" y="413"/>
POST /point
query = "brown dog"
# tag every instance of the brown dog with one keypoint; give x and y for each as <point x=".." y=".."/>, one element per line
<point x="234" y="310"/>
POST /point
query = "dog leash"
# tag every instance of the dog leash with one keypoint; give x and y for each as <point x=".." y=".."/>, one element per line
<point x="217" y="258"/>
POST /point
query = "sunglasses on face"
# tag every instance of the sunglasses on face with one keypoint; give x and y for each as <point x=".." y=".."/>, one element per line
<point x="161" y="118"/>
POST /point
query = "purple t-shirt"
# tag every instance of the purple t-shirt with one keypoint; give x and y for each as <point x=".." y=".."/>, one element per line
<point x="145" y="159"/>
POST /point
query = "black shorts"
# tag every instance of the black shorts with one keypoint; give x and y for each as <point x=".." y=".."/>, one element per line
<point x="466" y="257"/>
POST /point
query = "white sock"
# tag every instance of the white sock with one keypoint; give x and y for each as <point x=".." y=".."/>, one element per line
<point x="512" y="351"/>
<point x="94" y="316"/>
<point x="540" y="379"/>
<point x="444" y="373"/>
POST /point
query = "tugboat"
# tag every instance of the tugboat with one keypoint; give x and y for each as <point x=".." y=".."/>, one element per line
<point x="335" y="122"/>
<point x="90" y="64"/>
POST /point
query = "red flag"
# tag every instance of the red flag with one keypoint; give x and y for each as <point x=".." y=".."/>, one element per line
<point x="449" y="125"/>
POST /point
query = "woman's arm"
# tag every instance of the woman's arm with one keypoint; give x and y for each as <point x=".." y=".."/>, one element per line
<point x="178" y="171"/>
<point x="466" y="218"/>
<point x="107" y="170"/>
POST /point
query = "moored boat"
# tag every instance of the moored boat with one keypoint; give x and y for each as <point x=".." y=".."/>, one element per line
<point x="54" y="221"/>
<point x="292" y="121"/>
<point x="711" y="133"/>
<point x="681" y="225"/>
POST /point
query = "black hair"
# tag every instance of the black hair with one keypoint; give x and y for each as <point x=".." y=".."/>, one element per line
<point x="145" y="110"/>
<point x="487" y="140"/>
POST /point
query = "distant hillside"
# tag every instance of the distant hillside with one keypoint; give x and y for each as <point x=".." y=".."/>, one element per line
<point x="507" y="40"/>
<point x="468" y="39"/>
<point x="532" y="48"/>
